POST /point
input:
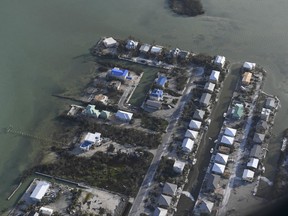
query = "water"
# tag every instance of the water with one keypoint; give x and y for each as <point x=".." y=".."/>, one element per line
<point x="42" y="43"/>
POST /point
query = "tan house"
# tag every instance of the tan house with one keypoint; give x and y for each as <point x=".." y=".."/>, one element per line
<point x="246" y="78"/>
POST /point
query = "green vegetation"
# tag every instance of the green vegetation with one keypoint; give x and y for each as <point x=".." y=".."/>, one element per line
<point x="153" y="123"/>
<point x="186" y="7"/>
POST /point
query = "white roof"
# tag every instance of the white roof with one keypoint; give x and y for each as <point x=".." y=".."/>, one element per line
<point x="230" y="132"/>
<point x="145" y="48"/>
<point x="249" y="65"/>
<point x="194" y="124"/>
<point x="156" y="49"/>
<point x="191" y="134"/>
<point x="214" y="75"/>
<point x="253" y="163"/>
<point x="220" y="60"/>
<point x="209" y="86"/>
<point x="187" y="145"/>
<point x="46" y="211"/>
<point x="248" y="174"/>
<point x="160" y="212"/>
<point x="178" y="166"/>
<point x="109" y="41"/>
<point x="124" y="115"/>
<point x="221" y="158"/>
<point x="40" y="190"/>
<point x="227" y="140"/>
<point x="218" y="168"/>
<point x="92" y="137"/>
<point x="131" y="44"/>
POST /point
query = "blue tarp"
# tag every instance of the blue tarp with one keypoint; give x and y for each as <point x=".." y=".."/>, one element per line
<point x="119" y="72"/>
<point x="161" y="81"/>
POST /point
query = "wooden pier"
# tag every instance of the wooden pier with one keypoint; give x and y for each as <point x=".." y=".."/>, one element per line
<point x="14" y="191"/>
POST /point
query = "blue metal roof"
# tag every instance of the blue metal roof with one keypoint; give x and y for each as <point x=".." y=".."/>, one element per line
<point x="157" y="93"/>
<point x="119" y="72"/>
<point x="161" y="81"/>
<point x="85" y="144"/>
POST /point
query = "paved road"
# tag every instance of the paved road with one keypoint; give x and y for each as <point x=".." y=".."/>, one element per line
<point x="138" y="204"/>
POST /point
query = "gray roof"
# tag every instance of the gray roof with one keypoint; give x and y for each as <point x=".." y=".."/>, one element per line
<point x="199" y="114"/>
<point x="261" y="126"/>
<point x="169" y="189"/>
<point x="270" y="103"/>
<point x="212" y="181"/>
<point x="209" y="86"/>
<point x="164" y="201"/>
<point x="160" y="212"/>
<point x="204" y="206"/>
<point x="205" y="99"/>
<point x="256" y="151"/>
<point x="258" y="138"/>
<point x="154" y="104"/>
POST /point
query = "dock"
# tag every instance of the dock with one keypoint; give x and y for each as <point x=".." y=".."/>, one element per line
<point x="14" y="191"/>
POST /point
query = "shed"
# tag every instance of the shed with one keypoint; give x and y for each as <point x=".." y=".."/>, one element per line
<point x="92" y="111"/>
<point x="249" y="66"/>
<point x="212" y="182"/>
<point x="261" y="126"/>
<point x="218" y="168"/>
<point x="209" y="87"/>
<point x="164" y="201"/>
<point x="221" y="158"/>
<point x="124" y="116"/>
<point x="187" y="145"/>
<point x="169" y="189"/>
<point x="227" y="140"/>
<point x="238" y="111"/>
<point x="270" y="103"/>
<point x="156" y="50"/>
<point x="178" y="166"/>
<point x="256" y="151"/>
<point x="191" y="134"/>
<point x="214" y="77"/>
<point x="131" y="44"/>
<point x="153" y="104"/>
<point x="40" y="190"/>
<point x="104" y="114"/>
<point x="199" y="114"/>
<point x="195" y="125"/>
<point x="253" y="163"/>
<point x="246" y="78"/>
<point x="258" y="138"/>
<point x="160" y="212"/>
<point x="205" y="99"/>
<point x="145" y="48"/>
<point x="248" y="175"/>
<point x="230" y="132"/>
<point x="220" y="61"/>
<point x="109" y="42"/>
<point x="46" y="211"/>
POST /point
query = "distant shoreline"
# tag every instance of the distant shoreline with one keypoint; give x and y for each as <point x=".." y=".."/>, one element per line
<point x="186" y="7"/>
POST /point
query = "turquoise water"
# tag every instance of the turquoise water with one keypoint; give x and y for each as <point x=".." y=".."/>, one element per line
<point x="43" y="44"/>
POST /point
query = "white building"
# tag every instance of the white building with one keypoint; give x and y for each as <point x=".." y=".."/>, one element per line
<point x="191" y="134"/>
<point x="220" y="61"/>
<point x="109" y="42"/>
<point x="124" y="116"/>
<point x="230" y="132"/>
<point x="248" y="175"/>
<point x="214" y="76"/>
<point x="178" y="166"/>
<point x="218" y="168"/>
<point x="209" y="87"/>
<point x="94" y="138"/>
<point x="253" y="163"/>
<point x="160" y="212"/>
<point x="203" y="207"/>
<point x="156" y="50"/>
<point x="195" y="125"/>
<point x="187" y="145"/>
<point x="131" y="44"/>
<point x="221" y="158"/>
<point x="265" y="113"/>
<point x="46" y="211"/>
<point x="227" y="140"/>
<point x="40" y="190"/>
<point x="145" y="48"/>
<point x="248" y="66"/>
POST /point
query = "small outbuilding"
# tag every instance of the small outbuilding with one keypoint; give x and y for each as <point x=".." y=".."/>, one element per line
<point x="227" y="140"/>
<point x="209" y="87"/>
<point x="105" y="114"/>
<point x="248" y="175"/>
<point x="214" y="77"/>
<point x="258" y="138"/>
<point x="221" y="158"/>
<point x="187" y="145"/>
<point x="164" y="201"/>
<point x="195" y="125"/>
<point x="218" y="168"/>
<point x="178" y="166"/>
<point x="199" y="114"/>
<point x="253" y="163"/>
<point x="191" y="134"/>
<point x="169" y="189"/>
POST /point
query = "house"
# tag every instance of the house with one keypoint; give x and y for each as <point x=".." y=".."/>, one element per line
<point x="265" y="114"/>
<point x="156" y="50"/>
<point x="153" y="104"/>
<point x="164" y="201"/>
<point x="89" y="140"/>
<point x="114" y="85"/>
<point x="169" y="189"/>
<point x="256" y="151"/>
<point x="183" y="54"/>
<point x="187" y="145"/>
<point x="219" y="61"/>
<point x="178" y="166"/>
<point x="156" y="94"/>
<point x="248" y="175"/>
<point x="209" y="87"/>
<point x="270" y="103"/>
<point x="105" y="114"/>
<point x="161" y="81"/>
<point x="124" y="116"/>
<point x="175" y="52"/>
<point x="131" y="44"/>
<point x="145" y="48"/>
<point x="214" y="77"/>
<point x="253" y="163"/>
<point x="205" y="99"/>
<point x="191" y="134"/>
<point x="238" y="111"/>
<point x="110" y="42"/>
<point x="230" y="132"/>
<point x="218" y="168"/>
<point x="203" y="207"/>
<point x="195" y="125"/>
<point x="46" y="211"/>
<point x="224" y="149"/>
<point x="221" y="158"/>
<point x="261" y="126"/>
<point x="199" y="114"/>
<point x="101" y="98"/>
<point x="91" y="111"/>
<point x="246" y="79"/>
<point x="212" y="182"/>
<point x="248" y="66"/>
<point x="227" y="140"/>
<point x="160" y="212"/>
<point x="117" y="73"/>
<point x="258" y="138"/>
<point x="40" y="190"/>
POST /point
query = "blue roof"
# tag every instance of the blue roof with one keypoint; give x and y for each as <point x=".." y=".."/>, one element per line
<point x="119" y="72"/>
<point x="157" y="93"/>
<point x="161" y="81"/>
<point x="85" y="144"/>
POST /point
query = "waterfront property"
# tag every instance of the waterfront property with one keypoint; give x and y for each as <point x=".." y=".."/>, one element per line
<point x="90" y="110"/>
<point x="219" y="61"/>
<point x="214" y="77"/>
<point x="258" y="138"/>
<point x="40" y="190"/>
<point x="248" y="66"/>
<point x="145" y="48"/>
<point x="131" y="44"/>
<point x="256" y="151"/>
<point x="246" y="78"/>
<point x="253" y="163"/>
<point x="117" y="73"/>
<point x="101" y="98"/>
<point x="156" y="50"/>
<point x="89" y="140"/>
<point x="270" y="103"/>
<point x="265" y="114"/>
<point x="110" y="42"/>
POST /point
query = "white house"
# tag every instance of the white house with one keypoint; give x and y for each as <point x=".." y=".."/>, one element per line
<point x="253" y="163"/>
<point x="124" y="116"/>
<point x="178" y="166"/>
<point x="220" y="61"/>
<point x="218" y="168"/>
<point x="248" y="66"/>
<point x="145" y="48"/>
<point x="221" y="158"/>
<point x="40" y="190"/>
<point x="230" y="132"/>
<point x="46" y="211"/>
<point x="109" y="42"/>
<point x="195" y="125"/>
<point x="187" y="145"/>
<point x="248" y="175"/>
<point x="214" y="76"/>
<point x="227" y="140"/>
<point x="191" y="134"/>
<point x="131" y="44"/>
<point x="265" y="113"/>
<point x="94" y="138"/>
<point x="156" y="50"/>
<point x="209" y="87"/>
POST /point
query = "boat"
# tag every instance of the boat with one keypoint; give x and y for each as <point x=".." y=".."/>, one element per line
<point x="284" y="143"/>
